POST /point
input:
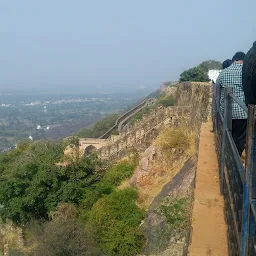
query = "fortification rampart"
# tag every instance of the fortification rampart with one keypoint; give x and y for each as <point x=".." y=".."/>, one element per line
<point x="192" y="108"/>
<point x="198" y="96"/>
<point x="125" y="117"/>
<point x="144" y="131"/>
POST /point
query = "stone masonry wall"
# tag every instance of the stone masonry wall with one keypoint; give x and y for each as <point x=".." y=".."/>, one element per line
<point x="198" y="96"/>
<point x="192" y="109"/>
<point x="144" y="131"/>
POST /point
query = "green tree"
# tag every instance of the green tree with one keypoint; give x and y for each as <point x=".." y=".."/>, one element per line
<point x="200" y="72"/>
<point x="210" y="64"/>
<point x="32" y="184"/>
<point x="115" y="219"/>
<point x="196" y="74"/>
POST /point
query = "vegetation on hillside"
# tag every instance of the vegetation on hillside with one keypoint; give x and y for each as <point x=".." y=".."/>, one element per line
<point x="196" y="74"/>
<point x="32" y="184"/>
<point x="109" y="182"/>
<point x="115" y="220"/>
<point x="80" y="200"/>
<point x="64" y="234"/>
<point x="162" y="100"/>
<point x="210" y="64"/>
<point x="99" y="128"/>
<point x="200" y="72"/>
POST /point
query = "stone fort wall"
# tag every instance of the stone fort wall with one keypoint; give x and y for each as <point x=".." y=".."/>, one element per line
<point x="193" y="101"/>
<point x="144" y="131"/>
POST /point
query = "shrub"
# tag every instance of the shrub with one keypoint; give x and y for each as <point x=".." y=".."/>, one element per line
<point x="32" y="184"/>
<point x="196" y="74"/>
<point x="210" y="64"/>
<point x="116" y="219"/>
<point x="65" y="235"/>
<point x="200" y="72"/>
<point x="119" y="172"/>
<point x="112" y="178"/>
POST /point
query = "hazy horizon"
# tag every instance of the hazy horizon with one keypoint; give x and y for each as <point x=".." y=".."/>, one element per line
<point x="94" y="45"/>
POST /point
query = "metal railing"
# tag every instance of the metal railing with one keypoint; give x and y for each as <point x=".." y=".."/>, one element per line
<point x="237" y="181"/>
<point x="120" y="120"/>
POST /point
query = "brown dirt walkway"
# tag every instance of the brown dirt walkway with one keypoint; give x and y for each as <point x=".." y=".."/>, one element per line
<point x="209" y="236"/>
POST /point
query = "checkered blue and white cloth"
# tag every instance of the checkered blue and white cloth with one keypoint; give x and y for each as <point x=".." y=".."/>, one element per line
<point x="232" y="77"/>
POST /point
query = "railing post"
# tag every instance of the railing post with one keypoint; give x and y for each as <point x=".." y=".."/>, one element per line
<point x="249" y="168"/>
<point x="217" y="102"/>
<point x="217" y="98"/>
<point x="213" y="107"/>
<point x="227" y="124"/>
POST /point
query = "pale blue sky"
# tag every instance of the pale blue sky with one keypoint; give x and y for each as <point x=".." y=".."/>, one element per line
<point x="82" y="43"/>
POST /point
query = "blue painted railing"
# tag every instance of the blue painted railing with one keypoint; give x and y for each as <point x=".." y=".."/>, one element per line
<point x="237" y="179"/>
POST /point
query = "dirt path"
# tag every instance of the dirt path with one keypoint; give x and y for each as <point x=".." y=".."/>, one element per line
<point x="209" y="228"/>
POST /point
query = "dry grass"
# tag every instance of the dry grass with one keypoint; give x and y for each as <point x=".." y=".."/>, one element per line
<point x="175" y="146"/>
<point x="125" y="184"/>
<point x="171" y="138"/>
<point x="12" y="235"/>
<point x="192" y="143"/>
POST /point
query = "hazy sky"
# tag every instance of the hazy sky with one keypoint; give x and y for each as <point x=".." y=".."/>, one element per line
<point x="82" y="43"/>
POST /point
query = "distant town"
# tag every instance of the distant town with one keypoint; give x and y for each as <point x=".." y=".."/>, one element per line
<point x="43" y="116"/>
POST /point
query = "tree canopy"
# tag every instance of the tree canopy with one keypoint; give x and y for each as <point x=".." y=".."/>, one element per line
<point x="200" y="72"/>
<point x="53" y="202"/>
<point x="32" y="184"/>
<point x="210" y="64"/>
